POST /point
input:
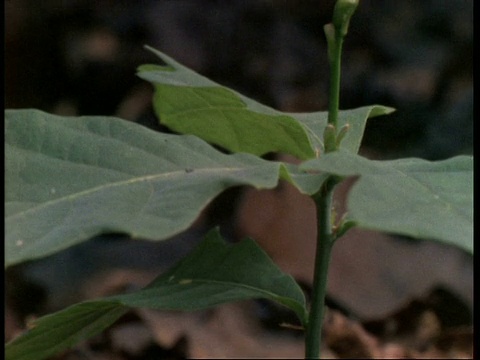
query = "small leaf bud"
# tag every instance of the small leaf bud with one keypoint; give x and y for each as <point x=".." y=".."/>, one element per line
<point x="342" y="14"/>
<point x="341" y="134"/>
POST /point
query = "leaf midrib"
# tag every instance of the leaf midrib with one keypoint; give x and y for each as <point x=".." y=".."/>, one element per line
<point x="126" y="182"/>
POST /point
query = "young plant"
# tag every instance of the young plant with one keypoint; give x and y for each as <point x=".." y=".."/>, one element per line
<point x="69" y="179"/>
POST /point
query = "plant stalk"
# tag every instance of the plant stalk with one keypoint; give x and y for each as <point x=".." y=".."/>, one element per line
<point x="323" y="201"/>
<point x="335" y="32"/>
<point x="335" y="70"/>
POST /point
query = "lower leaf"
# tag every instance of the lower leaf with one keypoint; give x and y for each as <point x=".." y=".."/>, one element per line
<point x="214" y="273"/>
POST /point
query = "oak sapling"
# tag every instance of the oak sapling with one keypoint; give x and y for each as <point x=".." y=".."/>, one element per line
<point x="112" y="175"/>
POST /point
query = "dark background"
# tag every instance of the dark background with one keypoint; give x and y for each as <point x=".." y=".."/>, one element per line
<point x="79" y="57"/>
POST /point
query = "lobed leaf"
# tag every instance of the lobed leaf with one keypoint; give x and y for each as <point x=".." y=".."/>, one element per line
<point x="414" y="197"/>
<point x="214" y="273"/>
<point x="189" y="103"/>
<point x="69" y="179"/>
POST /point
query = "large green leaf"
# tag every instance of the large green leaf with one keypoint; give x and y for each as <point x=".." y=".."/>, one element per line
<point x="68" y="179"/>
<point x="214" y="273"/>
<point x="413" y="197"/>
<point x="192" y="104"/>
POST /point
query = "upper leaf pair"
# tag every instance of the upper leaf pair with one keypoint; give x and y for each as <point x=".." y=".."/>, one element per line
<point x="70" y="179"/>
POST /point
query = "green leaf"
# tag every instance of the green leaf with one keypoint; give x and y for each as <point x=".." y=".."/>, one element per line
<point x="68" y="179"/>
<point x="214" y="273"/>
<point x="414" y="197"/>
<point x="189" y="103"/>
<point x="59" y="331"/>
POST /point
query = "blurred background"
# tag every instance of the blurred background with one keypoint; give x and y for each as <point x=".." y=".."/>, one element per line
<point x="79" y="57"/>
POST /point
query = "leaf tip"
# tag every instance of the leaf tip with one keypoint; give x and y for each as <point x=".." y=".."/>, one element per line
<point x="378" y="110"/>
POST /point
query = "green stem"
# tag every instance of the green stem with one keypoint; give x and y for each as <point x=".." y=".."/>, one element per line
<point x="323" y="201"/>
<point x="335" y="32"/>
<point x="335" y="70"/>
